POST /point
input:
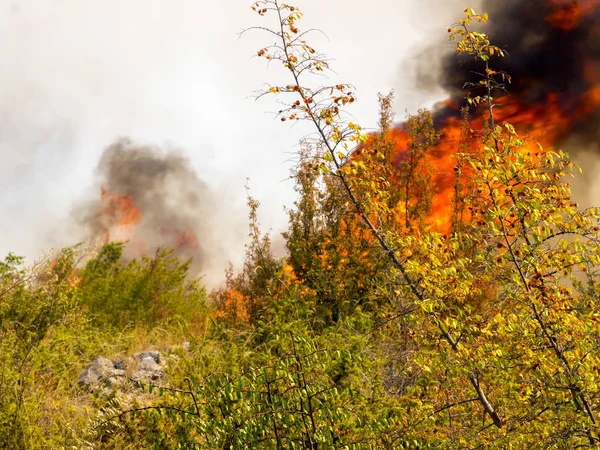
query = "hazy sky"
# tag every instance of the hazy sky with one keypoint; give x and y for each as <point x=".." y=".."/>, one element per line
<point x="77" y="74"/>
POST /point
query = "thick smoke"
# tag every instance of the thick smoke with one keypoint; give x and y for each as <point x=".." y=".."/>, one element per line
<point x="553" y="56"/>
<point x="155" y="199"/>
<point x="553" y="48"/>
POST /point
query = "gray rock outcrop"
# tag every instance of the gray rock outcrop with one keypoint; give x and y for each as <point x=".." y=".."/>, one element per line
<point x="150" y="367"/>
<point x="143" y="367"/>
<point x="101" y="369"/>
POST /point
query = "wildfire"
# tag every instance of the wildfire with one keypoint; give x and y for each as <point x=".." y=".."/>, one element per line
<point x="120" y="219"/>
<point x="118" y="211"/>
<point x="548" y="118"/>
<point x="178" y="239"/>
<point x="569" y="13"/>
<point x="186" y="239"/>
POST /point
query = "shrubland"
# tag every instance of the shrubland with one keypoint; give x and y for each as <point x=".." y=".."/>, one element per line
<point x="383" y="327"/>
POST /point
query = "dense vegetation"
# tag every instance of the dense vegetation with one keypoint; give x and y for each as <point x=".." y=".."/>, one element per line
<point x="382" y="328"/>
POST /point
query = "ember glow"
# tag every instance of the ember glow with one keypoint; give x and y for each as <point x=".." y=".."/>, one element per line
<point x="186" y="239"/>
<point x="175" y="238"/>
<point x="553" y="56"/>
<point x="119" y="216"/>
<point x="569" y="13"/>
<point x="150" y="199"/>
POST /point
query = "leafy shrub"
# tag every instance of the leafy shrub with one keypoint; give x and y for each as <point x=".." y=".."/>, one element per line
<point x="154" y="291"/>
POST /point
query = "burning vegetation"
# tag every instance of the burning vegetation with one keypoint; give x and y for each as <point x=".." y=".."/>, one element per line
<point x="119" y="216"/>
<point x="117" y="211"/>
<point x="152" y="199"/>
<point x="553" y="55"/>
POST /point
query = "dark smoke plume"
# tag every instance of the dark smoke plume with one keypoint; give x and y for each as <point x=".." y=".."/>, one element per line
<point x="553" y="57"/>
<point x="552" y="45"/>
<point x="553" y="48"/>
<point x="155" y="199"/>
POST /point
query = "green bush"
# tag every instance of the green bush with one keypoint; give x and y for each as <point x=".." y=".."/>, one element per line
<point x="154" y="291"/>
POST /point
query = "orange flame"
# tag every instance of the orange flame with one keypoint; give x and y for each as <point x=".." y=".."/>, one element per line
<point x="186" y="239"/>
<point x="119" y="212"/>
<point x="569" y="13"/>
<point x="547" y="121"/>
<point x="119" y="216"/>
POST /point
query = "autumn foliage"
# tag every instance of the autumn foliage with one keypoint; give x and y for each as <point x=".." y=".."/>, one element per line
<point x="481" y="263"/>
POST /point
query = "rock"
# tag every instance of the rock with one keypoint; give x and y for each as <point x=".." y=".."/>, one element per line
<point x="187" y="346"/>
<point x="149" y="364"/>
<point x="147" y="375"/>
<point x="117" y="378"/>
<point x="100" y="369"/>
<point x="119" y="364"/>
<point x="154" y="355"/>
<point x="150" y="367"/>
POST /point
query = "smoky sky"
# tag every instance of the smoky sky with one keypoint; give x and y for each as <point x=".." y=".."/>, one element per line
<point x="542" y="58"/>
<point x="174" y="207"/>
<point x="76" y="74"/>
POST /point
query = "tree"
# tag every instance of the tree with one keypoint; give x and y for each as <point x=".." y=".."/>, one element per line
<point x="148" y="292"/>
<point x="528" y="214"/>
<point x="322" y="106"/>
<point x="521" y="344"/>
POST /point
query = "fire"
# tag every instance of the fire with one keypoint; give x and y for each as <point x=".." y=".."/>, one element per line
<point x="186" y="239"/>
<point x="547" y="123"/>
<point x="120" y="219"/>
<point x="548" y="118"/>
<point x="118" y="212"/>
<point x="177" y="238"/>
<point x="569" y="13"/>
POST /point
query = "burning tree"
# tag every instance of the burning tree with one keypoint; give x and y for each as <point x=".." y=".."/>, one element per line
<point x="503" y="330"/>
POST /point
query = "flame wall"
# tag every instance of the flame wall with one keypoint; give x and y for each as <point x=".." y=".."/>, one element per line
<point x="553" y="58"/>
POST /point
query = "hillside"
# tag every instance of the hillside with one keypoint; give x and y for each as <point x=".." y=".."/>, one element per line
<point x="439" y="290"/>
